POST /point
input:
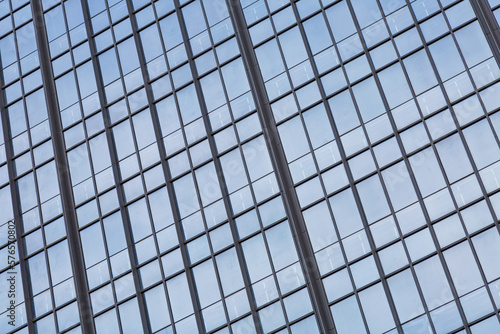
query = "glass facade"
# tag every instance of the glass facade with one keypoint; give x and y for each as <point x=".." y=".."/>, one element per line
<point x="242" y="166"/>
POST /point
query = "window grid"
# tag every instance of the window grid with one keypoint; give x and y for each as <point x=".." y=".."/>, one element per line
<point x="311" y="177"/>
<point x="135" y="268"/>
<point x="166" y="80"/>
<point x="213" y="150"/>
<point x="245" y="45"/>
<point x="66" y="197"/>
<point x="22" y="171"/>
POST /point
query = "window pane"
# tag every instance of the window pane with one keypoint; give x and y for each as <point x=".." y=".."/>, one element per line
<point x="376" y="309"/>
<point x="463" y="268"/>
<point x="347" y="317"/>
<point x="345" y="212"/>
<point x="256" y="258"/>
<point x="405" y="295"/>
<point x="178" y="292"/>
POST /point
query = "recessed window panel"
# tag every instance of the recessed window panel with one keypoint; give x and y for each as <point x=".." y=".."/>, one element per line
<point x="48" y="185"/>
<point x="235" y="79"/>
<point x="420" y="72"/>
<point x="473" y="44"/>
<point x="408" y="41"/>
<point x="434" y="27"/>
<point x="213" y="91"/>
<point x="93" y="245"/>
<point x="256" y="258"/>
<point x="281" y="247"/>
<point x="476" y="135"/>
<point x="156" y="304"/>
<point x="454" y="158"/>
<point x="340" y="21"/>
<point x="293" y="47"/>
<point x="229" y="272"/>
<point x="123" y="139"/>
<point x="269" y="58"/>
<point x="320" y="226"/>
<point x="399" y="186"/>
<point x="294" y="139"/>
<point x="449" y="230"/>
<point x="373" y="199"/>
<point x="26" y="42"/>
<point x="337" y="285"/>
<point x="376" y="309"/>
<point x="427" y="172"/>
<point x="143" y="128"/>
<point x="256" y="158"/>
<point x="186" y="195"/>
<point x="195" y="22"/>
<point x="298" y="304"/>
<point x="271" y="317"/>
<point x="487" y="246"/>
<point x="188" y="104"/>
<point x="234" y="170"/>
<point x="364" y="272"/>
<point x="317" y="33"/>
<point x="206" y="283"/>
<point x="393" y="257"/>
<point x="446" y="58"/>
<point x="66" y="90"/>
<point x="395" y="85"/>
<point x="60" y="263"/>
<point x="346" y="213"/>
<point x="130" y="317"/>
<point x="139" y="219"/>
<point x="178" y="290"/>
<point x="344" y="112"/>
<point x="347" y="317"/>
<point x="38" y="273"/>
<point x="115" y="236"/>
<point x="463" y="268"/>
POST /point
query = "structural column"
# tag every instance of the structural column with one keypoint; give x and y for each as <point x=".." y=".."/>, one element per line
<point x="305" y="251"/>
<point x="23" y="265"/>
<point x="62" y="168"/>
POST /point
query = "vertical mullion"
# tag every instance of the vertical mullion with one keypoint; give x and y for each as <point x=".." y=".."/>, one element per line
<point x="62" y="168"/>
<point x="292" y="207"/>
<point x="166" y="171"/>
<point x="114" y="166"/>
<point x="87" y="140"/>
<point x="23" y="264"/>
<point x="300" y="115"/>
<point x="9" y="154"/>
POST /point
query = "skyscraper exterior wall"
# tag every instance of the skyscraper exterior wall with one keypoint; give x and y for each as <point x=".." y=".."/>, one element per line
<point x="242" y="166"/>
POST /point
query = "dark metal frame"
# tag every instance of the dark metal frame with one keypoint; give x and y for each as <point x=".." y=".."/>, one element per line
<point x="23" y="265"/>
<point x="83" y="297"/>
<point x="306" y="255"/>
<point x="396" y="132"/>
<point x="218" y="167"/>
